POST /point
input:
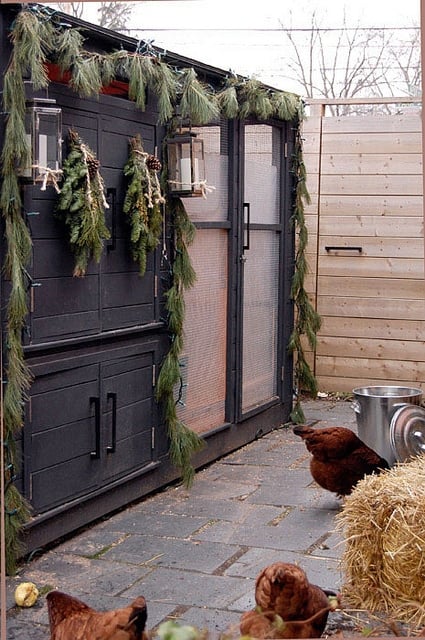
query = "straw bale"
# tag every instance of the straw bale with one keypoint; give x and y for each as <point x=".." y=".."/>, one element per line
<point x="383" y="526"/>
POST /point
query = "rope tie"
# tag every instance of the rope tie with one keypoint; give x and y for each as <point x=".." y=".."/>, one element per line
<point x="202" y="184"/>
<point x="50" y="176"/>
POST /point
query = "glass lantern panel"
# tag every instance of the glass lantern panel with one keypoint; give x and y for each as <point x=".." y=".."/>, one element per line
<point x="198" y="164"/>
<point x="47" y="139"/>
<point x="185" y="178"/>
<point x="179" y="166"/>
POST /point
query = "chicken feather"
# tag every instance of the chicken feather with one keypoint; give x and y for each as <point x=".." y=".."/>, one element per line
<point x="72" y="619"/>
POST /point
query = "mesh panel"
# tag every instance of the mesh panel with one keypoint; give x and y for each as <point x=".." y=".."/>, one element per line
<point x="262" y="173"/>
<point x="203" y="362"/>
<point x="260" y="320"/>
<point x="215" y="207"/>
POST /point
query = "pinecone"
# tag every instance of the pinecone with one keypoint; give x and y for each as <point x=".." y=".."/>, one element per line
<point x="153" y="163"/>
<point x="92" y="166"/>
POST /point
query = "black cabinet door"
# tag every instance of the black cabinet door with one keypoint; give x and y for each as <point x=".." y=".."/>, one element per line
<point x="60" y="436"/>
<point x="127" y="414"/>
<point x="90" y="420"/>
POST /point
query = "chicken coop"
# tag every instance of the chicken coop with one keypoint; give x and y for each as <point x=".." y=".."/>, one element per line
<point x="126" y="350"/>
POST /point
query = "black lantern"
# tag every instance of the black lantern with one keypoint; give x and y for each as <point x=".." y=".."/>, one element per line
<point x="186" y="165"/>
<point x="43" y="127"/>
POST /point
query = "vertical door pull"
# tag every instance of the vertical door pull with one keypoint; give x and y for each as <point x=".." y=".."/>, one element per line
<point x="96" y="401"/>
<point x="246" y="207"/>
<point x="111" y="197"/>
<point x="113" y="396"/>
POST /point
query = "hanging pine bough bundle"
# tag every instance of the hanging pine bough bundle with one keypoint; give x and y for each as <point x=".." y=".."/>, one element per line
<point x="143" y="202"/>
<point x="183" y="441"/>
<point x="81" y="204"/>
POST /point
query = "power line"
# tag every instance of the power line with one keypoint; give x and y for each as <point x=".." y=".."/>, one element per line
<point x="273" y="29"/>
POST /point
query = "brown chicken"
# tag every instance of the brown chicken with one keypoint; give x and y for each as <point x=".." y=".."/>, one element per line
<point x="288" y="606"/>
<point x="71" y="619"/>
<point x="339" y="458"/>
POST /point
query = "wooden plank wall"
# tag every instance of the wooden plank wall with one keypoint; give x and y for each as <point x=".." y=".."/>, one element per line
<point x="365" y="181"/>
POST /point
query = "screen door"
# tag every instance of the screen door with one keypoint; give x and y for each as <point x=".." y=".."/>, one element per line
<point x="260" y="265"/>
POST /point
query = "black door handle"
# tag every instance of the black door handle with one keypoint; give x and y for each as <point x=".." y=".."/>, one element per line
<point x="111" y="197"/>
<point x="96" y="401"/>
<point x="359" y="249"/>
<point x="113" y="396"/>
<point x="247" y="208"/>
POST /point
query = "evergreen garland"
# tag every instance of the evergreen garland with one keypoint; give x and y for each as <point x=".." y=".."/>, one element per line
<point x="81" y="204"/>
<point x="256" y="100"/>
<point x="183" y="441"/>
<point x="197" y="102"/>
<point x="307" y="320"/>
<point x="27" y="55"/>
<point x="38" y="37"/>
<point x="143" y="201"/>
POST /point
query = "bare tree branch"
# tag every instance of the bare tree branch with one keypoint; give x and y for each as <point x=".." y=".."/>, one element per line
<point x="353" y="62"/>
<point x="115" y="15"/>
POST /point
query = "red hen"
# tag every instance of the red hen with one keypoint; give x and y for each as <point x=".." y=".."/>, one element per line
<point x="339" y="458"/>
<point x="288" y="606"/>
<point x="71" y="619"/>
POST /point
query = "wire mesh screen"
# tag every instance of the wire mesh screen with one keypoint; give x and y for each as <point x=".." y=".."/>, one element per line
<point x="262" y="172"/>
<point x="203" y="362"/>
<point x="260" y="315"/>
<point x="215" y="207"/>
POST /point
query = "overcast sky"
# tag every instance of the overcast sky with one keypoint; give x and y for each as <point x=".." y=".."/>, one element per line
<point x="244" y="37"/>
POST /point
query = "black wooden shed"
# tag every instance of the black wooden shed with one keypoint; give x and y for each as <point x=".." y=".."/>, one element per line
<point x="94" y="435"/>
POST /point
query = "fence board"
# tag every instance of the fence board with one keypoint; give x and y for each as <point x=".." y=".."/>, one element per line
<point x="362" y="370"/>
<point x="372" y="185"/>
<point x="410" y="121"/>
<point x="356" y="143"/>
<point x="372" y="267"/>
<point x="393" y="289"/>
<point x="390" y="328"/>
<point x="377" y="247"/>
<point x="375" y="348"/>
<point x="374" y="226"/>
<point x="388" y="205"/>
<point x="360" y="308"/>
<point x="373" y="163"/>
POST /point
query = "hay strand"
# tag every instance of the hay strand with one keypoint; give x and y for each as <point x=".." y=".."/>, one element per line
<point x="383" y="522"/>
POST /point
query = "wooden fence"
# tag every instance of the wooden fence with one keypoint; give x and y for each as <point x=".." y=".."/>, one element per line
<point x="366" y="245"/>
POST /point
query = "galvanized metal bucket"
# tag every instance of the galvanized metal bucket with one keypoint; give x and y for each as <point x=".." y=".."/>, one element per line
<point x="375" y="407"/>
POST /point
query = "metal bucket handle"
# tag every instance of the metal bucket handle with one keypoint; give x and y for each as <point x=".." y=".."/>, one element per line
<point x="355" y="405"/>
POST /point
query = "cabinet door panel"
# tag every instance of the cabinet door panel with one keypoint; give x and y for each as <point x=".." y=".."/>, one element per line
<point x="53" y="401"/>
<point x="63" y="306"/>
<point x="62" y="482"/>
<point x="62" y="436"/>
<point x="128" y="299"/>
<point x="129" y="415"/>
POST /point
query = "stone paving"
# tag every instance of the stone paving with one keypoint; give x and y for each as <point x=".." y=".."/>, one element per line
<point x="194" y="554"/>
